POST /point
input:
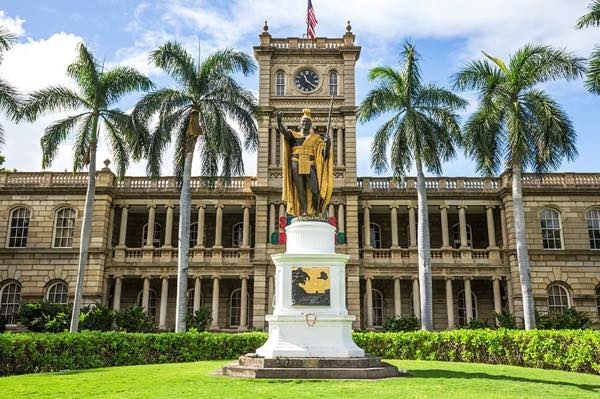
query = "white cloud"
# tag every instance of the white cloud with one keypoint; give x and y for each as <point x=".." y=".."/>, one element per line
<point x="14" y="25"/>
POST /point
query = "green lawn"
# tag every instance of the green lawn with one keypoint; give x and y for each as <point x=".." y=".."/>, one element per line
<point x="192" y="380"/>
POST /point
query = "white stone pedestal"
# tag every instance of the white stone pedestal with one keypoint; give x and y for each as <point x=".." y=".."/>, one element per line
<point x="310" y="330"/>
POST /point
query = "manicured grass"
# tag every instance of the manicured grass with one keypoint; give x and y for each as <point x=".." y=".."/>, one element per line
<point x="192" y="380"/>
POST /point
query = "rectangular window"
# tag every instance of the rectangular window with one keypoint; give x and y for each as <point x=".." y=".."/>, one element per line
<point x="333" y="84"/>
<point x="280" y="84"/>
<point x="19" y="228"/>
<point x="593" y="222"/>
<point x="551" y="235"/>
<point x="64" y="228"/>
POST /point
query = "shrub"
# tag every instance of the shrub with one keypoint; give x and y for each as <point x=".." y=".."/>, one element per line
<point x="570" y="319"/>
<point x="402" y="323"/>
<point x="476" y="324"/>
<point x="45" y="316"/>
<point x="134" y="319"/>
<point x="506" y="319"/>
<point x="200" y="319"/>
<point x="96" y="318"/>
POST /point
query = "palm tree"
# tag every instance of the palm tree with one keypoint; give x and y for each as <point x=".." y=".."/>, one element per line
<point x="423" y="129"/>
<point x="518" y="126"/>
<point x="197" y="115"/>
<point x="9" y="97"/>
<point x="592" y="18"/>
<point x="92" y="104"/>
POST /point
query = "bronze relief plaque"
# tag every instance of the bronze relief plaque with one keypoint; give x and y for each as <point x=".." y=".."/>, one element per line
<point x="311" y="286"/>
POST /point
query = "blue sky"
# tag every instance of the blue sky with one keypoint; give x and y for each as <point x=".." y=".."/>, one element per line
<point x="447" y="34"/>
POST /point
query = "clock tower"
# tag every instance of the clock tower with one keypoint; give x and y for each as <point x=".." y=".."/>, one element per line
<point x="297" y="73"/>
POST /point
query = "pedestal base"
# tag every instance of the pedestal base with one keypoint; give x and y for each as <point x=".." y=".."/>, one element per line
<point x="251" y="366"/>
<point x="314" y="335"/>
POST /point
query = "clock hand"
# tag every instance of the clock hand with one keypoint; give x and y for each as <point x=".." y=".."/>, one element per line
<point x="307" y="81"/>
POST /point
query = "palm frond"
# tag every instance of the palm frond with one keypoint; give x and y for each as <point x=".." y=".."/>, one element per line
<point x="591" y="18"/>
<point x="483" y="138"/>
<point x="51" y="99"/>
<point x="118" y="141"/>
<point x="84" y="70"/>
<point x="177" y="62"/>
<point x="477" y="75"/>
<point x="10" y="100"/>
<point x="55" y="134"/>
<point x="7" y="40"/>
<point x="86" y="137"/>
<point x="533" y="64"/>
<point x="592" y="80"/>
<point x="122" y="80"/>
<point x="431" y="96"/>
<point x="226" y="62"/>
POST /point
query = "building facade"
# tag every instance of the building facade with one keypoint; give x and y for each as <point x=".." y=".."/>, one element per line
<point x="235" y="225"/>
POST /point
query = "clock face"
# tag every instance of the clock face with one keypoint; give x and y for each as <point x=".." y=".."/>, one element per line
<point x="307" y="80"/>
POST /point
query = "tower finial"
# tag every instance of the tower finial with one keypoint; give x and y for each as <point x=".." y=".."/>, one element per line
<point x="266" y="27"/>
<point x="348" y="27"/>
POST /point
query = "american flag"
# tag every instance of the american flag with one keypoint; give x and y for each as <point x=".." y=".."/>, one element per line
<point x="311" y="21"/>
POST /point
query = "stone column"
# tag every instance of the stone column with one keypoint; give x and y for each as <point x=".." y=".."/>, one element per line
<point x="445" y="233"/>
<point x="111" y="224"/>
<point x="214" y="325"/>
<point x="468" y="300"/>
<point x="497" y="296"/>
<point x="201" y="216"/>
<point x="168" y="227"/>
<point x="394" y="222"/>
<point x="367" y="227"/>
<point x="197" y="293"/>
<point x="503" y="226"/>
<point x="509" y="293"/>
<point x="341" y="220"/>
<point x="282" y="212"/>
<point x="490" y="226"/>
<point x="164" y="296"/>
<point x="273" y="146"/>
<point x="246" y="227"/>
<point x="340" y="146"/>
<point x="219" y="226"/>
<point x="369" y="292"/>
<point x="412" y="222"/>
<point x="150" y="229"/>
<point x="123" y="227"/>
<point x="397" y="297"/>
<point x="331" y="210"/>
<point x="271" y="295"/>
<point x="450" y="303"/>
<point x="462" y="220"/>
<point x="146" y="293"/>
<point x="272" y="221"/>
<point x="416" y="298"/>
<point x="244" y="304"/>
<point x="117" y="295"/>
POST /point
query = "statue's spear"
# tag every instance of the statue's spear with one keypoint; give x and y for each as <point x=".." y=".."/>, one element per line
<point x="325" y="158"/>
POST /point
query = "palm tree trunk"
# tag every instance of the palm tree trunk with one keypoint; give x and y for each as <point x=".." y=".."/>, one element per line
<point x="185" y="205"/>
<point x="423" y="251"/>
<point x="522" y="255"/>
<point x="86" y="234"/>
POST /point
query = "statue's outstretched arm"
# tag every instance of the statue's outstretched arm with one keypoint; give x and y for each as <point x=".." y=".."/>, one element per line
<point x="282" y="128"/>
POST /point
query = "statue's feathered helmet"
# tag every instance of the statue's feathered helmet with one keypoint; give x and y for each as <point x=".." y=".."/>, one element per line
<point x="306" y="114"/>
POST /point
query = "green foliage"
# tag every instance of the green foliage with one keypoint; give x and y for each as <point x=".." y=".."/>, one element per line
<point x="570" y="319"/>
<point x="96" y="318"/>
<point x="506" y="319"/>
<point x="402" y="323"/>
<point x="200" y="319"/>
<point x="45" y="317"/>
<point x="134" y="319"/>
<point x="476" y="324"/>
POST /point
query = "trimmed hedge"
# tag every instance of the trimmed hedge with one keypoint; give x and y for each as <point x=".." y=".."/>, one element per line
<point x="571" y="350"/>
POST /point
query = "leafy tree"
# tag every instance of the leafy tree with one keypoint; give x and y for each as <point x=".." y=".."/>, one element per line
<point x="10" y="100"/>
<point x="134" y="319"/>
<point x="423" y="129"/>
<point x="197" y="115"/>
<point x="517" y="125"/>
<point x="505" y="319"/>
<point x="402" y="323"/>
<point x="200" y="319"/>
<point x="592" y="19"/>
<point x="97" y="92"/>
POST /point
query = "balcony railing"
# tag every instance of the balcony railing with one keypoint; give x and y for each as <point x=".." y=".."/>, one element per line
<point x="438" y="255"/>
<point x="234" y="184"/>
<point x="169" y="255"/>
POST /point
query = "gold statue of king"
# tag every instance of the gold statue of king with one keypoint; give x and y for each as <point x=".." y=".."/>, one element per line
<point x="307" y="168"/>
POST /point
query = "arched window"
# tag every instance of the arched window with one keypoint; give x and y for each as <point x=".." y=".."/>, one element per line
<point x="64" y="227"/>
<point x="558" y="298"/>
<point x="333" y="83"/>
<point x="378" y="308"/>
<point x="237" y="236"/>
<point x="280" y="83"/>
<point x="18" y="227"/>
<point x="10" y="301"/>
<point x="550" y="223"/>
<point x="151" y="301"/>
<point x="456" y="236"/>
<point x="461" y="307"/>
<point x="598" y="300"/>
<point x="157" y="235"/>
<point x="235" y="307"/>
<point x="375" y="235"/>
<point x="593" y="224"/>
<point x="58" y="292"/>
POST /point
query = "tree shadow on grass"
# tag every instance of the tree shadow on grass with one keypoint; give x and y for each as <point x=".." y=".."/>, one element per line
<point x="497" y="377"/>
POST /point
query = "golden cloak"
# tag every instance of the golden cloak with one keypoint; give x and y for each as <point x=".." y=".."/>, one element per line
<point x="324" y="167"/>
